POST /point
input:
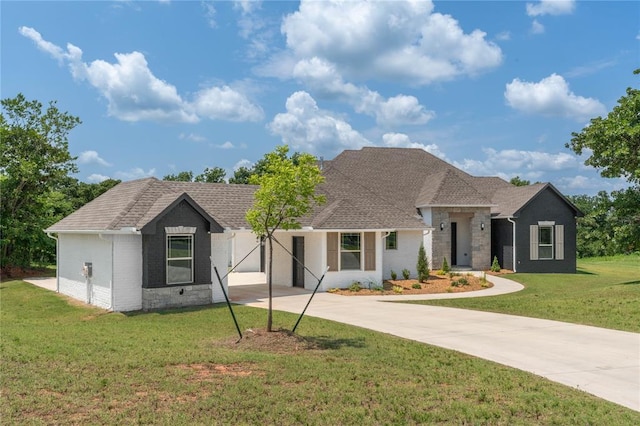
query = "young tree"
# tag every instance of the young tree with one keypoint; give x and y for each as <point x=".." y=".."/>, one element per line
<point x="614" y="141"/>
<point x="423" y="264"/>
<point x="35" y="161"/>
<point x="286" y="193"/>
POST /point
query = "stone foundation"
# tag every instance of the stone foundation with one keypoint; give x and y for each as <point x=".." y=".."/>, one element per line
<point x="176" y="297"/>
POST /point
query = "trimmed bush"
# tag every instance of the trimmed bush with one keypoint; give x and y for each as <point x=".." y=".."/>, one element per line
<point x="422" y="266"/>
<point x="445" y="266"/>
<point x="394" y="276"/>
<point x="406" y="273"/>
<point x="495" y="266"/>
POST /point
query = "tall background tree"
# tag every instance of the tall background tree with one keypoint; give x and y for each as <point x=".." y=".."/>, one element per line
<point x="35" y="162"/>
<point x="35" y="187"/>
<point x="287" y="192"/>
<point x="209" y="175"/>
<point x="611" y="223"/>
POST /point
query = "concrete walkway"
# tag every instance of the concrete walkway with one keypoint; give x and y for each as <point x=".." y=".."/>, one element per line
<point x="602" y="362"/>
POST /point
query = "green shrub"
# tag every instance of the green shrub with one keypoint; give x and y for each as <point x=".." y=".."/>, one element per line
<point x="445" y="266"/>
<point x="333" y="290"/>
<point x="417" y="286"/>
<point x="355" y="286"/>
<point x="463" y="281"/>
<point x="440" y="272"/>
<point x="397" y="289"/>
<point x="422" y="267"/>
<point x="406" y="273"/>
<point x="394" y="276"/>
<point x="495" y="266"/>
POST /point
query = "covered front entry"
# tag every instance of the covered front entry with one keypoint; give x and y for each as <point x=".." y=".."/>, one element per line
<point x="461" y="239"/>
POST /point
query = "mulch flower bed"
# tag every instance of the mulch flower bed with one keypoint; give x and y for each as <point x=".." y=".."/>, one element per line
<point x="450" y="283"/>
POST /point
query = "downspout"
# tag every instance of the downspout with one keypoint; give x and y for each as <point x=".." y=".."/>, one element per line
<point x="514" y="242"/>
<point x="57" y="262"/>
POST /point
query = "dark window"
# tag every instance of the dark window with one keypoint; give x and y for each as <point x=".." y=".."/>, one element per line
<point x="179" y="259"/>
<point x="391" y="242"/>
<point x="350" y="251"/>
<point x="545" y="242"/>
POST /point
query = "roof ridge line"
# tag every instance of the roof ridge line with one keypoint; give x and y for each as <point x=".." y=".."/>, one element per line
<point x="374" y="193"/>
<point x="135" y="199"/>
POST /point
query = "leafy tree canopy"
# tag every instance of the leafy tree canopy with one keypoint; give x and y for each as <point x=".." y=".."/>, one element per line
<point x="519" y="182"/>
<point x="209" y="175"/>
<point x="35" y="161"/>
<point x="186" y="176"/>
<point x="614" y="141"/>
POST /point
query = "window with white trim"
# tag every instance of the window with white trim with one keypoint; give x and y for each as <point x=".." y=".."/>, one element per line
<point x="391" y="242"/>
<point x="179" y="258"/>
<point x="545" y="242"/>
<point x="350" y="251"/>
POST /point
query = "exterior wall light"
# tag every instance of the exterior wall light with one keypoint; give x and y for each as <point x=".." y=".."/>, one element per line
<point x="442" y="226"/>
<point x="482" y="226"/>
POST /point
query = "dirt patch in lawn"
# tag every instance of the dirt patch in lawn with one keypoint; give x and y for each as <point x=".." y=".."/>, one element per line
<point x="279" y="341"/>
<point x="453" y="283"/>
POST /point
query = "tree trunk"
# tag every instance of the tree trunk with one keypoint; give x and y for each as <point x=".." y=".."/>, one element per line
<point x="269" y="278"/>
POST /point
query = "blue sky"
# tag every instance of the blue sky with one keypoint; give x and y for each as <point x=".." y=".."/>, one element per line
<point x="495" y="88"/>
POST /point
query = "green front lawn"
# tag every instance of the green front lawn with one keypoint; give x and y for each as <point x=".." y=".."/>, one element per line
<point x="604" y="293"/>
<point x="63" y="362"/>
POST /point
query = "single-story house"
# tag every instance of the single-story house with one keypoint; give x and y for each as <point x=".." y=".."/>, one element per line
<point x="149" y="244"/>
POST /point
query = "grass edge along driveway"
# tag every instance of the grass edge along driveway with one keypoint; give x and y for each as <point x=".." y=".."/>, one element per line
<point x="605" y="292"/>
<point x="63" y="362"/>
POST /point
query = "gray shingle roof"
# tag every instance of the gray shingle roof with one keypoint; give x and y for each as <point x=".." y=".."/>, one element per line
<point x="371" y="188"/>
<point x="136" y="203"/>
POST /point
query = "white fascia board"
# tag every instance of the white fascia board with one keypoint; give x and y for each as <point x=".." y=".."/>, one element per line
<point x="457" y="205"/>
<point x="123" y="231"/>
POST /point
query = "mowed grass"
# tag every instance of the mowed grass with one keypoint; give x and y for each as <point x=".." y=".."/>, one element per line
<point x="66" y="363"/>
<point x="604" y="293"/>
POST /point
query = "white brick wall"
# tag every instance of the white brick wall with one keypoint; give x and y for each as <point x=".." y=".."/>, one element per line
<point x="219" y="256"/>
<point x="127" y="272"/>
<point x="74" y="250"/>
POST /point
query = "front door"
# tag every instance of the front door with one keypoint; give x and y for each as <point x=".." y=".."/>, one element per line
<point x="298" y="262"/>
<point x="454" y="243"/>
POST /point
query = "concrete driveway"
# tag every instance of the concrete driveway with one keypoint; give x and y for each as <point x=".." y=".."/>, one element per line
<point x="602" y="362"/>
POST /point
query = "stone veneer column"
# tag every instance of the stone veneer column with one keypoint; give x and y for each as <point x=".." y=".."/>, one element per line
<point x="481" y="239"/>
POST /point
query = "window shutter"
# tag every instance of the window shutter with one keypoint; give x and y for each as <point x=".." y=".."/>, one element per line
<point x="560" y="242"/>
<point x="533" y="242"/>
<point x="369" y="251"/>
<point x="332" y="251"/>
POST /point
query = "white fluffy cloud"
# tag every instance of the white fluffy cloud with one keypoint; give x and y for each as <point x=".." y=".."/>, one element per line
<point x="309" y="128"/>
<point x="551" y="7"/>
<point x="97" y="178"/>
<point x="192" y="137"/>
<point x="388" y="40"/>
<point x="552" y="97"/>
<point x="224" y="103"/>
<point x="511" y="162"/>
<point x="134" y="93"/>
<point x="401" y="140"/>
<point x="135" y="173"/>
<point x="88" y="157"/>
<point x="243" y="163"/>
<point x="323" y="77"/>
<point x="537" y="27"/>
